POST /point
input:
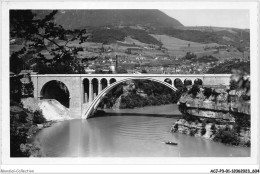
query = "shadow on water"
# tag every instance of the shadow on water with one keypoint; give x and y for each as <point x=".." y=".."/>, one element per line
<point x="102" y="113"/>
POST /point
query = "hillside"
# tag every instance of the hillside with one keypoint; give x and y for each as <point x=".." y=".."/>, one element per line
<point x="238" y="38"/>
<point x="227" y="67"/>
<point x="74" y="19"/>
<point x="106" y="36"/>
<point x="138" y="23"/>
<point x="172" y="43"/>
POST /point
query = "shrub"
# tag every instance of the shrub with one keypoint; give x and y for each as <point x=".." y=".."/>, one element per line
<point x="203" y="131"/>
<point x="15" y="89"/>
<point x="194" y="90"/>
<point x="245" y="97"/>
<point x="242" y="120"/>
<point x="187" y="82"/>
<point x="18" y="117"/>
<point x="190" y="56"/>
<point x="213" y="128"/>
<point x="237" y="128"/>
<point x="227" y="136"/>
<point x="233" y="85"/>
<point x="193" y="132"/>
<point x="248" y="143"/>
<point x="175" y="127"/>
<point x="190" y="118"/>
<point x="215" y="94"/>
<point x="198" y="82"/>
<point x="38" y="117"/>
<point x="18" y="135"/>
<point x="178" y="83"/>
<point x="203" y="123"/>
<point x="207" y="92"/>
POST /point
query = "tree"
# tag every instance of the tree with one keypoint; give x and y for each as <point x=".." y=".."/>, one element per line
<point x="16" y="63"/>
<point x="178" y="83"/>
<point x="15" y="89"/>
<point x="198" y="81"/>
<point x="194" y="90"/>
<point x="187" y="82"/>
<point x="43" y="34"/>
<point x="190" y="56"/>
<point x="143" y="71"/>
<point x="121" y="70"/>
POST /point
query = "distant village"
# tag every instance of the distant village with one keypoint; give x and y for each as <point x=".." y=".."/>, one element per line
<point x="132" y="60"/>
<point x="121" y="57"/>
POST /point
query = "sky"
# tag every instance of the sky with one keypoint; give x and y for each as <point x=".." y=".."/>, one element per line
<point x="234" y="18"/>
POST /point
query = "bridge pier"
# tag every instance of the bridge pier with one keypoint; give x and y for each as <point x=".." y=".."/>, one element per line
<point x="90" y="91"/>
<point x="82" y="91"/>
<point x="99" y="86"/>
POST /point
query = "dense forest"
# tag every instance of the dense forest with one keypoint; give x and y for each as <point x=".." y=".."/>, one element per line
<point x="111" y="35"/>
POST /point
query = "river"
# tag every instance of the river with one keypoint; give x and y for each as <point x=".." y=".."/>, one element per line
<point x="134" y="133"/>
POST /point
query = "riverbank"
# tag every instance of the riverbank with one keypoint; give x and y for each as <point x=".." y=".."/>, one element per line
<point x="169" y="110"/>
<point x="28" y="118"/>
<point x="23" y="125"/>
<point x="224" y="133"/>
<point x="33" y="148"/>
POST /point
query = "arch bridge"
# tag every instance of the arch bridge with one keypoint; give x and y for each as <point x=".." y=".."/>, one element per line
<point x="81" y="93"/>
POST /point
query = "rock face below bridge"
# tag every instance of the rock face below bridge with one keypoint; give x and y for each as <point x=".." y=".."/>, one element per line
<point x="52" y="110"/>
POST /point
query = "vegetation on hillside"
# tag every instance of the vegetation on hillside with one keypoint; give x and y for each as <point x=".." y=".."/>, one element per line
<point x="203" y="59"/>
<point x="206" y="59"/>
<point x="190" y="56"/>
<point x="142" y="36"/>
<point x="107" y="36"/>
<point x="228" y="66"/>
<point x="22" y="121"/>
<point x="239" y="39"/>
<point x="23" y="124"/>
<point x="191" y="35"/>
<point x="144" y="93"/>
<point x="111" y="35"/>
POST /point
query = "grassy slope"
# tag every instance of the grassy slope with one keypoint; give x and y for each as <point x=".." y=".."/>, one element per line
<point x="179" y="47"/>
<point x="172" y="43"/>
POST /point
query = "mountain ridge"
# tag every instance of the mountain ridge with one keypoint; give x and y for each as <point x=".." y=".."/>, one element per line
<point x="74" y="19"/>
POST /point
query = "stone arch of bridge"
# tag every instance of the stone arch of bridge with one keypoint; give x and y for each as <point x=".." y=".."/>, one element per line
<point x="93" y="106"/>
<point x="55" y="89"/>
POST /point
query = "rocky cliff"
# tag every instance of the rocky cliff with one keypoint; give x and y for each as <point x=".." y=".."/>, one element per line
<point x="224" y="133"/>
<point x="218" y="114"/>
